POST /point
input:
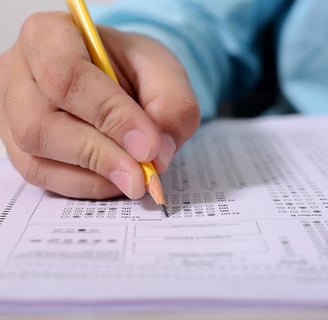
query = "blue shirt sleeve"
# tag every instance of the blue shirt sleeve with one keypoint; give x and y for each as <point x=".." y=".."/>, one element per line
<point x="302" y="56"/>
<point x="214" y="40"/>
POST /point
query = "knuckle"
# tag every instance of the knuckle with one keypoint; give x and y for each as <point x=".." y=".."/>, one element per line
<point x="34" y="174"/>
<point x="30" y="137"/>
<point x="109" y="118"/>
<point x="59" y="74"/>
<point x="60" y="80"/>
<point x="31" y="28"/>
<point x="101" y="189"/>
<point x="190" y="113"/>
<point x="89" y="156"/>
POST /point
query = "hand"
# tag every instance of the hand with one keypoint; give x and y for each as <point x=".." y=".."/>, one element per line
<point x="70" y="129"/>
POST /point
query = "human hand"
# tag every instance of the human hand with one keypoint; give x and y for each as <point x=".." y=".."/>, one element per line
<point x="70" y="129"/>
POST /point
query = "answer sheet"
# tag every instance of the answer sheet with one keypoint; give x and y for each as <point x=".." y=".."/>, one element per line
<point x="249" y="226"/>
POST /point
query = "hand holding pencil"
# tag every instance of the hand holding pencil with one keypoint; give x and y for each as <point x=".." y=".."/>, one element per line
<point x="99" y="57"/>
<point x="69" y="128"/>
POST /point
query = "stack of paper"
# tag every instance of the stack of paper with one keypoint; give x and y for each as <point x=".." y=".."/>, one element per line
<point x="248" y="227"/>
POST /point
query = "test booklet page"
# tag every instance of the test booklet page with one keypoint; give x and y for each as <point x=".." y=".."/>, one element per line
<point x="248" y="226"/>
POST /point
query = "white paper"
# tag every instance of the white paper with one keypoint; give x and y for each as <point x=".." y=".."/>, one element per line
<point x="249" y="226"/>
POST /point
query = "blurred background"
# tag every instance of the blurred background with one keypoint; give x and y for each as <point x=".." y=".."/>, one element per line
<point x="14" y="12"/>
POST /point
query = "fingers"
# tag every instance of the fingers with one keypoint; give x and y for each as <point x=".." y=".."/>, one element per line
<point x="66" y="78"/>
<point x="65" y="179"/>
<point x="64" y="138"/>
<point x="73" y="130"/>
<point x="172" y="106"/>
<point x="162" y="88"/>
<point x="169" y="101"/>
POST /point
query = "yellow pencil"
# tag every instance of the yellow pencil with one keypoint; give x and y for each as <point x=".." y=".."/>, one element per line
<point x="100" y="58"/>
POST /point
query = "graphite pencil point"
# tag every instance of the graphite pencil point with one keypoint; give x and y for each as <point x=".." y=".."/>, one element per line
<point x="163" y="209"/>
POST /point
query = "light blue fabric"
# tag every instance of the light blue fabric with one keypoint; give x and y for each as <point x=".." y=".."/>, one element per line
<point x="217" y="41"/>
<point x="303" y="56"/>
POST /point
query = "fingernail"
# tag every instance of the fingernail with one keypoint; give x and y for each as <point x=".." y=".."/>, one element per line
<point x="122" y="180"/>
<point x="136" y="144"/>
<point x="167" y="151"/>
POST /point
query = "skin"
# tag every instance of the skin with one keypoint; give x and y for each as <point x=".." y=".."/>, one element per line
<point x="70" y="129"/>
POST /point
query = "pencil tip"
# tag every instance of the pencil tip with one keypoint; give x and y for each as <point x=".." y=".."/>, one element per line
<point x="163" y="209"/>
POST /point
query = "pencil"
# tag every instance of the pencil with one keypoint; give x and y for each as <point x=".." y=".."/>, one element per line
<point x="100" y="58"/>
